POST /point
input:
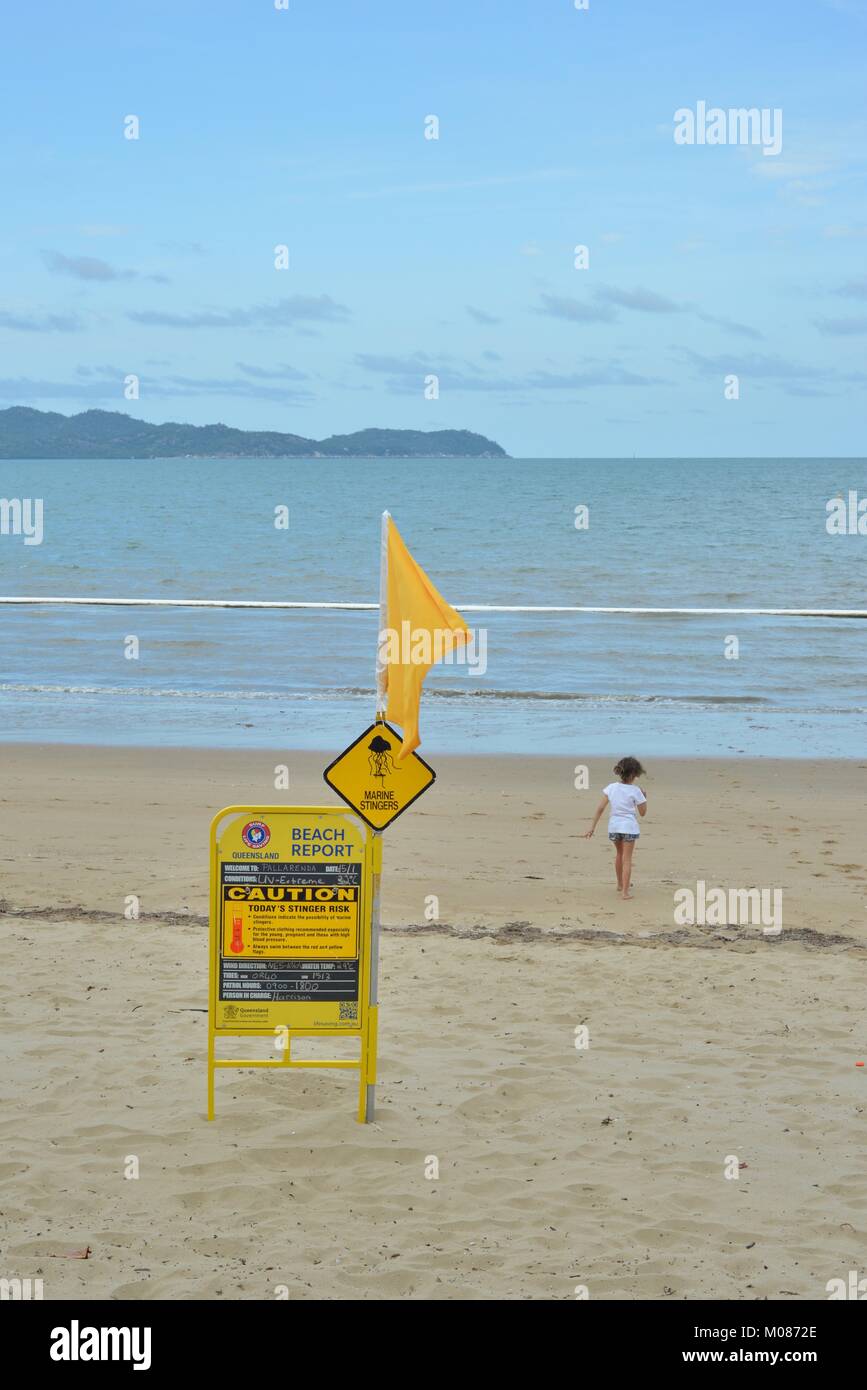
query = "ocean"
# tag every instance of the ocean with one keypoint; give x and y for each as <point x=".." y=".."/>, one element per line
<point x="661" y="532"/>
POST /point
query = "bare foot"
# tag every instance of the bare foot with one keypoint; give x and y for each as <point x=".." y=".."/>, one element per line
<point x="626" y="896"/>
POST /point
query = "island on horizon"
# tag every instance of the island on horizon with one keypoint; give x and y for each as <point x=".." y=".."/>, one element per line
<point x="26" y="433"/>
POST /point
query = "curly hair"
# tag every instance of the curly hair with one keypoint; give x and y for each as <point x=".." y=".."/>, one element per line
<point x="629" y="768"/>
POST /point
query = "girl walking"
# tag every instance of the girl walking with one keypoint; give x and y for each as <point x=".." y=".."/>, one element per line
<point x="627" y="802"/>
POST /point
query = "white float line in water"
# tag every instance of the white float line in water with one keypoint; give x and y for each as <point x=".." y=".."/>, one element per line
<point x="461" y="607"/>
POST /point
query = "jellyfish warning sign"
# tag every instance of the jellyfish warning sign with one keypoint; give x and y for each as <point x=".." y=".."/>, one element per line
<point x="370" y="779"/>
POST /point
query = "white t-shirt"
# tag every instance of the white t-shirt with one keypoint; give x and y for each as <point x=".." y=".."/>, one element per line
<point x="623" y="797"/>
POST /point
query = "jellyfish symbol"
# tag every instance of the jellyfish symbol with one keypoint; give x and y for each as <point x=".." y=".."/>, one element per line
<point x="380" y="760"/>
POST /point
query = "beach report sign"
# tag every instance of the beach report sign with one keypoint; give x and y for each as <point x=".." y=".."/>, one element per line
<point x="291" y="910"/>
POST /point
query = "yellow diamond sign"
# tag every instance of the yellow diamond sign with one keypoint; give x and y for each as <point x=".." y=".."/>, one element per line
<point x="368" y="777"/>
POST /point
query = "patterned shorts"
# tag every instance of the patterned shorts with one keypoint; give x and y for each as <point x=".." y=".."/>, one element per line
<point x="616" y="836"/>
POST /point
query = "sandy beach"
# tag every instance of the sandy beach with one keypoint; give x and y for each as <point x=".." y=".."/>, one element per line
<point x="496" y="839"/>
<point x="558" y="1167"/>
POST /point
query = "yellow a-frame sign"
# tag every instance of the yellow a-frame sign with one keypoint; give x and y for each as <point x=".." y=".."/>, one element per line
<point x="292" y="900"/>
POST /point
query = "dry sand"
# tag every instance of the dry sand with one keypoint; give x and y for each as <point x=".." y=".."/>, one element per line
<point x="557" y="1167"/>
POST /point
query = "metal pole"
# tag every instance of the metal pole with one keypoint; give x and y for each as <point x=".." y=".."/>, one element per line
<point x="381" y="695"/>
<point x="381" y="668"/>
<point x="371" y="1041"/>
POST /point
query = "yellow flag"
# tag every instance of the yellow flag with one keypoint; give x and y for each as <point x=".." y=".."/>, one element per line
<point x="421" y="628"/>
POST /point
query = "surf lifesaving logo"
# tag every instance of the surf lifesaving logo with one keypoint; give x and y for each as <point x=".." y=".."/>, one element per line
<point x="256" y="834"/>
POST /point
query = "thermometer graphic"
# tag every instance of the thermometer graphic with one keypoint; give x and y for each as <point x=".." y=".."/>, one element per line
<point x="237" y="944"/>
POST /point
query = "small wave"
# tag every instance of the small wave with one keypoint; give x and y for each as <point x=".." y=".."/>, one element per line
<point x="572" y="695"/>
<point x="359" y="692"/>
<point x="468" y="693"/>
<point x="150" y="692"/>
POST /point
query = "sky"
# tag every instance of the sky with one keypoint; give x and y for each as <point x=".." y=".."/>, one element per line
<point x="720" y="308"/>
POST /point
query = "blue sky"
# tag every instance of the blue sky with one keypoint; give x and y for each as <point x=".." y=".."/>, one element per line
<point x="452" y="257"/>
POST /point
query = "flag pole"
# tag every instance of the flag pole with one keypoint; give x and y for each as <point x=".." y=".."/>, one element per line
<point x="381" y="668"/>
<point x="381" y="693"/>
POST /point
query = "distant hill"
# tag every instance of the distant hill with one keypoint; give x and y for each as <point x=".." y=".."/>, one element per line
<point x="103" y="434"/>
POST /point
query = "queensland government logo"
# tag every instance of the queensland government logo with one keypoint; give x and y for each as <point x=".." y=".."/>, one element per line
<point x="256" y="834"/>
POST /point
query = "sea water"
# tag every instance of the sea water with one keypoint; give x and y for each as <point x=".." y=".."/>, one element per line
<point x="660" y="532"/>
